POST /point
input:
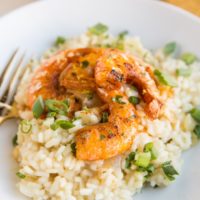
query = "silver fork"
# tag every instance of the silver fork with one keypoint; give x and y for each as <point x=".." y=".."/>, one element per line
<point x="10" y="78"/>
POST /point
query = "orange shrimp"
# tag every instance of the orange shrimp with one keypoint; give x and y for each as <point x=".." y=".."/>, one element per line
<point x="114" y="137"/>
<point x="69" y="69"/>
<point x="104" y="71"/>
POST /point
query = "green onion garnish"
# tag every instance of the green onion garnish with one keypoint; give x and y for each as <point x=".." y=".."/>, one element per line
<point x="25" y="126"/>
<point x="98" y="29"/>
<point x="188" y="58"/>
<point x="134" y="100"/>
<point x="169" y="170"/>
<point x="60" y="107"/>
<point x="130" y="158"/>
<point x="51" y="114"/>
<point x="165" y="79"/>
<point x="118" y="99"/>
<point x="38" y="107"/>
<point x="195" y="113"/>
<point x="85" y="64"/>
<point x="197" y="131"/>
<point x="104" y="117"/>
<point x="59" y="40"/>
<point x="150" y="148"/>
<point x="184" y="72"/>
<point x="102" y="136"/>
<point x="73" y="148"/>
<point x="62" y="124"/>
<point x="20" y="175"/>
<point x="143" y="159"/>
<point x="169" y="48"/>
<point x="14" y="140"/>
<point x="122" y="35"/>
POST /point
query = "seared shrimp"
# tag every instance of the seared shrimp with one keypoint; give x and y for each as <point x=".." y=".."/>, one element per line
<point x="112" y="71"/>
<point x="69" y="69"/>
<point x="104" y="72"/>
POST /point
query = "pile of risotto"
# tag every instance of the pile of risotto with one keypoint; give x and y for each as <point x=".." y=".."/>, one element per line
<point x="48" y="168"/>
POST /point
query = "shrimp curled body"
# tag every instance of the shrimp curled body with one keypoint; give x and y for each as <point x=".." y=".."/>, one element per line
<point x="106" y="73"/>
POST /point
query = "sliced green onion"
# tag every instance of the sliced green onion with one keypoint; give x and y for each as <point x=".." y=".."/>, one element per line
<point x="98" y="29"/>
<point x="20" y="175"/>
<point x="130" y="158"/>
<point x="118" y="99"/>
<point x="25" y="126"/>
<point x="60" y="107"/>
<point x="90" y="95"/>
<point x="184" y="72"/>
<point x="165" y="79"/>
<point x="143" y="159"/>
<point x="134" y="100"/>
<point x="73" y="148"/>
<point x="169" y="48"/>
<point x="59" y="40"/>
<point x="188" y="58"/>
<point x="14" y="140"/>
<point x="38" y="107"/>
<point x="195" y="113"/>
<point x="104" y="117"/>
<point x="122" y="35"/>
<point x="169" y="170"/>
<point x="51" y="114"/>
<point x="197" y="131"/>
<point x="149" y="147"/>
<point x="102" y="136"/>
<point x="62" y="124"/>
<point x="85" y="64"/>
<point x="150" y="168"/>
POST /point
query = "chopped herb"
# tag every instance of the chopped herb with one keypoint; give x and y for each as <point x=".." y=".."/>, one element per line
<point x="184" y="72"/>
<point x="60" y="107"/>
<point x="133" y="88"/>
<point x="143" y="159"/>
<point x="73" y="148"/>
<point x="25" y="126"/>
<point x="134" y="100"/>
<point x="98" y="29"/>
<point x="62" y="124"/>
<point x="150" y="168"/>
<point x="195" y="113"/>
<point x="122" y="35"/>
<point x="118" y="99"/>
<point x="197" y="131"/>
<point x="51" y="114"/>
<point x="169" y="48"/>
<point x="130" y="158"/>
<point x="104" y="117"/>
<point x="14" y="141"/>
<point x="169" y="170"/>
<point x="20" y="175"/>
<point x="150" y="148"/>
<point x="59" y="40"/>
<point x="85" y="64"/>
<point x="90" y="95"/>
<point x="38" y="107"/>
<point x="165" y="79"/>
<point x="102" y="136"/>
<point x="188" y="58"/>
<point x="110" y="134"/>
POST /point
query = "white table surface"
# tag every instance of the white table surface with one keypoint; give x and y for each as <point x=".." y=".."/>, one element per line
<point x="9" y="5"/>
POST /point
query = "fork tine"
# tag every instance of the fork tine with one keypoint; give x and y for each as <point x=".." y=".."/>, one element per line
<point x="22" y="69"/>
<point x="8" y="64"/>
<point x="9" y="73"/>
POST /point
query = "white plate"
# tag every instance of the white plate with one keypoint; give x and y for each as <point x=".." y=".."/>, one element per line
<point x="34" y="27"/>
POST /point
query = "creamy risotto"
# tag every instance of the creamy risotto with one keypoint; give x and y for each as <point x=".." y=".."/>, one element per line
<point x="45" y="150"/>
